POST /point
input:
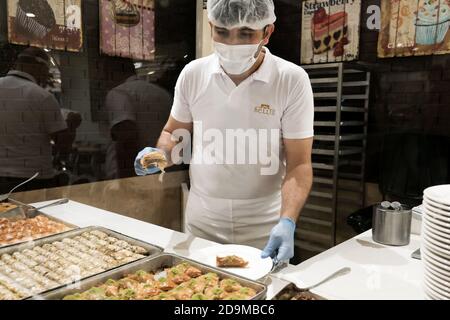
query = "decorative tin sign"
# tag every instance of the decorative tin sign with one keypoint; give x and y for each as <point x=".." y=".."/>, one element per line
<point x="127" y="28"/>
<point x="330" y="31"/>
<point x="55" y="24"/>
<point x="414" y="27"/>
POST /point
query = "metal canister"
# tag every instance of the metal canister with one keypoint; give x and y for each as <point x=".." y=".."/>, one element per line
<point x="392" y="226"/>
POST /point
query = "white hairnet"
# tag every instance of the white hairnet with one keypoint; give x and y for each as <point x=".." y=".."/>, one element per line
<point x="254" y="14"/>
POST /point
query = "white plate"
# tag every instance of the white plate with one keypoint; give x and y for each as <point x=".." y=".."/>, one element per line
<point x="437" y="285"/>
<point x="429" y="270"/>
<point x="256" y="269"/>
<point x="436" y="292"/>
<point x="436" y="266"/>
<point x="428" y="216"/>
<point x="444" y="221"/>
<point x="430" y="229"/>
<point x="444" y="246"/>
<point x="433" y="294"/>
<point x="436" y="226"/>
<point x="435" y="236"/>
<point x="441" y="214"/>
<point x="438" y="260"/>
<point x="430" y="264"/>
<point x="434" y="205"/>
<point x="436" y="247"/>
<point x="440" y="194"/>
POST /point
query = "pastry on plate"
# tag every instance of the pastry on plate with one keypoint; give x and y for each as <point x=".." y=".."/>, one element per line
<point x="231" y="262"/>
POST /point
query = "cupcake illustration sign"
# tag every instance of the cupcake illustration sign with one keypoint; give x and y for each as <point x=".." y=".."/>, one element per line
<point x="127" y="28"/>
<point x="53" y="24"/>
<point x="414" y="27"/>
<point x="330" y="31"/>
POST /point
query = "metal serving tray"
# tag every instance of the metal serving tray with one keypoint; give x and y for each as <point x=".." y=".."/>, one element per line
<point x="19" y="214"/>
<point x="154" y="264"/>
<point x="153" y="250"/>
<point x="290" y="291"/>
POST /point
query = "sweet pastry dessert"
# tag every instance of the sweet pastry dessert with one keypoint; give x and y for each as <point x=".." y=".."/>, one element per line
<point x="154" y="159"/>
<point x="35" y="18"/>
<point x="183" y="282"/>
<point x="328" y="31"/>
<point x="37" y="269"/>
<point x="6" y="206"/>
<point x="126" y="13"/>
<point x="291" y="292"/>
<point x="231" y="262"/>
<point x="28" y="229"/>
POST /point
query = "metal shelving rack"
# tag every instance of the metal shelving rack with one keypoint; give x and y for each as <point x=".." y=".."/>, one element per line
<point x="341" y="94"/>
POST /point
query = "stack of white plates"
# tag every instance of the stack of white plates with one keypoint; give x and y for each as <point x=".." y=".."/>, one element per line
<point x="436" y="241"/>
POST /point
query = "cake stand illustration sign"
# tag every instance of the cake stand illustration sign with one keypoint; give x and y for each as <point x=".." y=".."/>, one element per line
<point x="330" y="30"/>
<point x="414" y="27"/>
<point x="127" y="28"/>
<point x="55" y="24"/>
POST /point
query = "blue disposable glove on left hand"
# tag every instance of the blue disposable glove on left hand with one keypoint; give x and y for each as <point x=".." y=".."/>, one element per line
<point x="281" y="241"/>
<point x="137" y="163"/>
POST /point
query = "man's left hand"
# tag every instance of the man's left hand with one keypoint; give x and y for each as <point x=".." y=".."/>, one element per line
<point x="281" y="242"/>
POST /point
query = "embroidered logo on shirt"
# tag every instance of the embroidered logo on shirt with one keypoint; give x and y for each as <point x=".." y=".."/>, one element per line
<point x="265" y="109"/>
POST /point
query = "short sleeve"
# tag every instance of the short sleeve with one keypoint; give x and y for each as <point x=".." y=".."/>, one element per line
<point x="52" y="117"/>
<point x="298" y="116"/>
<point x="180" y="108"/>
<point x="119" y="107"/>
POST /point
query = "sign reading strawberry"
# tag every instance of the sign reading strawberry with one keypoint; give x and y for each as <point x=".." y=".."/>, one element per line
<point x="330" y="31"/>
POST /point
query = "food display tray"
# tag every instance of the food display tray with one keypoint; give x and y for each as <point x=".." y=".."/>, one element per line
<point x="291" y="291"/>
<point x="153" y="264"/>
<point x="152" y="250"/>
<point x="19" y="213"/>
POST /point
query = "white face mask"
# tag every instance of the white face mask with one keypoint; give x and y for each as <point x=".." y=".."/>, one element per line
<point x="236" y="59"/>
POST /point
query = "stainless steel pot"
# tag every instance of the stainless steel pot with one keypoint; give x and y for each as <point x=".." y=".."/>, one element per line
<point x="392" y="226"/>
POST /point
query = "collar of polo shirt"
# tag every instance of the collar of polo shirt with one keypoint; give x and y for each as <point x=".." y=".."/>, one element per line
<point x="22" y="74"/>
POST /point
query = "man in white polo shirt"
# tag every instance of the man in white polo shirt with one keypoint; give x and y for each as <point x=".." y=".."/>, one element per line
<point x="251" y="114"/>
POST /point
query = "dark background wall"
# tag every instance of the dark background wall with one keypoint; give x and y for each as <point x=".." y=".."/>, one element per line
<point x="408" y="94"/>
<point x="87" y="76"/>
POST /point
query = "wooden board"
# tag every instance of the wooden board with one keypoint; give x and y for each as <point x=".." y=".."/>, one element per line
<point x="330" y="31"/>
<point x="55" y="24"/>
<point x="128" y="36"/>
<point x="414" y="28"/>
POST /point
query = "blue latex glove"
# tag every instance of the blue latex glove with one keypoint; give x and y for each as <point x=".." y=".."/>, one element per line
<point x="281" y="242"/>
<point x="137" y="163"/>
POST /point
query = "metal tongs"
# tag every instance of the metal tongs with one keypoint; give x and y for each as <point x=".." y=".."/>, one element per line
<point x="32" y="212"/>
<point x="28" y="212"/>
<point x="276" y="266"/>
<point x="6" y="196"/>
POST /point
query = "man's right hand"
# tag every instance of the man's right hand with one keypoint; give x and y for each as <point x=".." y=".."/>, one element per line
<point x="140" y="171"/>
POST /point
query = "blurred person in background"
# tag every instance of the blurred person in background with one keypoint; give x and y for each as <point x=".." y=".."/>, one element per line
<point x="31" y="123"/>
<point x="133" y="108"/>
